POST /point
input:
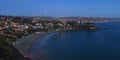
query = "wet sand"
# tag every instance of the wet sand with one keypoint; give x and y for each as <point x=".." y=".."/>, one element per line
<point x="25" y="44"/>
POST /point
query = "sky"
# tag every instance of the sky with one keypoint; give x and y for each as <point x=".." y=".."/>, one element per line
<point x="94" y="8"/>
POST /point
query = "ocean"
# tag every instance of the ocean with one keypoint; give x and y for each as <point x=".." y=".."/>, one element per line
<point x="100" y="44"/>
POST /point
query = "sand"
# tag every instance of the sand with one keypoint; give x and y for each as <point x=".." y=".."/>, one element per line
<point x="24" y="44"/>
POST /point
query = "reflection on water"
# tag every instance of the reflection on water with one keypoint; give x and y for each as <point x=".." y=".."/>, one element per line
<point x="102" y="44"/>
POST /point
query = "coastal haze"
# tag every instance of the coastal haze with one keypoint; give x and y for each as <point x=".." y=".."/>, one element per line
<point x="59" y="30"/>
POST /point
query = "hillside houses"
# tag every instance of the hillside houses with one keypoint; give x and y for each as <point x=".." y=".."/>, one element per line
<point x="26" y="25"/>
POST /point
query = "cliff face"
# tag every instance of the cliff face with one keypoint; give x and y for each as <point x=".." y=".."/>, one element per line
<point x="9" y="52"/>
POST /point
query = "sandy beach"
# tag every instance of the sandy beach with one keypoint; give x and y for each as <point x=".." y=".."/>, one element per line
<point x="24" y="44"/>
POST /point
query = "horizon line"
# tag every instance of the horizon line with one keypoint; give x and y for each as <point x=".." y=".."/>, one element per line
<point x="55" y="16"/>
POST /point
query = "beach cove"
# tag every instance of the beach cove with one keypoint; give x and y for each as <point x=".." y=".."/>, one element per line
<point x="25" y="44"/>
<point x="102" y="44"/>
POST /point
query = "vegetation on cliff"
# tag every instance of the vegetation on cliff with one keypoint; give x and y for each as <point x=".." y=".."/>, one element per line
<point x="7" y="51"/>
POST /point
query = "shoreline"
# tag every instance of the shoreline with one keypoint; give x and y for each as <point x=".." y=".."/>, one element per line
<point x="25" y="44"/>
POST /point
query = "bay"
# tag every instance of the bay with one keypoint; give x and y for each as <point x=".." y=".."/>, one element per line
<point x="101" y="44"/>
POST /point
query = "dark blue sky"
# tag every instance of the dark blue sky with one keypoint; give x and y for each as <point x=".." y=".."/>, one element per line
<point x="99" y="8"/>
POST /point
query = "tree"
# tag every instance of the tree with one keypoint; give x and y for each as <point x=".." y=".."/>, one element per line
<point x="18" y="20"/>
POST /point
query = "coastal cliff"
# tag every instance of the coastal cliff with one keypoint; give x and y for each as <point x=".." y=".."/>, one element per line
<point x="8" y="51"/>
